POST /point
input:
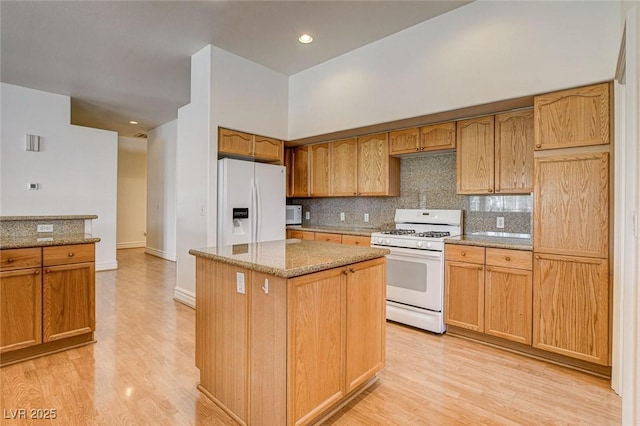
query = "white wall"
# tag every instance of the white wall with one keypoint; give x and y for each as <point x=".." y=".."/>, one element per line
<point x="161" y="190"/>
<point x="76" y="167"/>
<point x="132" y="193"/>
<point x="229" y="91"/>
<point x="482" y="52"/>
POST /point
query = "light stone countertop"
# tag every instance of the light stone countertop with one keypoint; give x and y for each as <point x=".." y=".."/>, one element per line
<point x="346" y="230"/>
<point x="63" y="217"/>
<point x="492" y="241"/>
<point x="46" y="240"/>
<point x="289" y="258"/>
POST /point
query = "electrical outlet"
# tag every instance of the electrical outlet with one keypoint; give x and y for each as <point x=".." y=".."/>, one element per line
<point x="45" y="228"/>
<point x="366" y="217"/>
<point x="500" y="222"/>
<point x="240" y="282"/>
<point x="307" y="215"/>
<point x="341" y="215"/>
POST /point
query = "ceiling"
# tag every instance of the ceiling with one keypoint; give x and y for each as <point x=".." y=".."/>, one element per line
<point x="130" y="60"/>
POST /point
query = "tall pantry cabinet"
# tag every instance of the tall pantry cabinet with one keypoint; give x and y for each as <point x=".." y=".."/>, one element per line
<point x="571" y="293"/>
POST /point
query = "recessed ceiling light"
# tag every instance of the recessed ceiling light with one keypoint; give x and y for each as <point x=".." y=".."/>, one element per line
<point x="133" y="122"/>
<point x="305" y="39"/>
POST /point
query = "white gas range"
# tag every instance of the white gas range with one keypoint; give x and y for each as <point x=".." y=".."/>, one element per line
<point x="415" y="266"/>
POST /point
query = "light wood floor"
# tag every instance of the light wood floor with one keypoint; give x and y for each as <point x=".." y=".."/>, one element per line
<point x="141" y="371"/>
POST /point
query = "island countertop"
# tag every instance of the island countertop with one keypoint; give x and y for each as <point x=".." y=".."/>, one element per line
<point x="289" y="258"/>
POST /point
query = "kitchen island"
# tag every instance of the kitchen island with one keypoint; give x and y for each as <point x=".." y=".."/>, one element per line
<point x="288" y="331"/>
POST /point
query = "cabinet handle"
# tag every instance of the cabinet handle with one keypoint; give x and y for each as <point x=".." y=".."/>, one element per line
<point x="497" y="189"/>
<point x="345" y="272"/>
<point x="48" y="270"/>
<point x="480" y="268"/>
<point x="36" y="272"/>
<point x="537" y="257"/>
<point x="538" y="146"/>
<point x="490" y="190"/>
<point x="351" y="270"/>
<point x="417" y="149"/>
<point x="10" y="260"/>
<point x="507" y="258"/>
<point x="71" y="254"/>
<point x="463" y="253"/>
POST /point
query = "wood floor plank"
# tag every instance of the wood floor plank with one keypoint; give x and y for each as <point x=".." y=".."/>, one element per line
<point x="142" y="371"/>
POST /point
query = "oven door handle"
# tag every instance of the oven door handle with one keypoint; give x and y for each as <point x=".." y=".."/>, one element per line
<point x="417" y="253"/>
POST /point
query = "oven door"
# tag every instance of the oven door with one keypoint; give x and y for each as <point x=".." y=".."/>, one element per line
<point x="415" y="278"/>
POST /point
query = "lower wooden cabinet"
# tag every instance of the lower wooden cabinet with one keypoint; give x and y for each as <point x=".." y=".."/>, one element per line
<point x="356" y="240"/>
<point x="571" y="306"/>
<point x="328" y="237"/>
<point x="21" y="307"/>
<point x="49" y="307"/>
<point x="489" y="291"/>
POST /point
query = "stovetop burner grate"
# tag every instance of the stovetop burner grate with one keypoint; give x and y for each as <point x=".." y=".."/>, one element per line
<point x="399" y="232"/>
<point x="433" y="234"/>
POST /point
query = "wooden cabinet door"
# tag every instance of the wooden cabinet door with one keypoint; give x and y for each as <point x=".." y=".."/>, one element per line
<point x="404" y="141"/>
<point x="508" y="303"/>
<point x="514" y="152"/>
<point x="268" y="346"/>
<point x="268" y="149"/>
<point x="571" y="205"/>
<point x="232" y="142"/>
<point x="288" y="164"/>
<point x="344" y="167"/>
<point x="328" y="237"/>
<point x="21" y="307"/>
<point x="319" y="170"/>
<point x="356" y="240"/>
<point x="68" y="301"/>
<point x="315" y="343"/>
<point x="475" y="156"/>
<point x="574" y="117"/>
<point x="571" y="306"/>
<point x="438" y="136"/>
<point x="365" y="324"/>
<point x="301" y="235"/>
<point x="300" y="170"/>
<point x="378" y="174"/>
<point x="464" y="295"/>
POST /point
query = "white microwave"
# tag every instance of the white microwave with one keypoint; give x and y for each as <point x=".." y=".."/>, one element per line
<point x="294" y="215"/>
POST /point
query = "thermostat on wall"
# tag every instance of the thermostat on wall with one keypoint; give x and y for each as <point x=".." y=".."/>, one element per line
<point x="34" y="186"/>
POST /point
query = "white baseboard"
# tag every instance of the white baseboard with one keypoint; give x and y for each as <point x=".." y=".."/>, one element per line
<point x="106" y="266"/>
<point x="159" y="253"/>
<point x="132" y="244"/>
<point x="184" y="296"/>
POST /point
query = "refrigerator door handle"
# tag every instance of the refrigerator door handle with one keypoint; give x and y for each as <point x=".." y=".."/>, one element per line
<point x="257" y="209"/>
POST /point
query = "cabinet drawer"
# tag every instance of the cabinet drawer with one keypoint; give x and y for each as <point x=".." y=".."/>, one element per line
<point x="20" y="258"/>
<point x="63" y="255"/>
<point x="469" y="254"/>
<point x="517" y="259"/>
<point x="302" y="235"/>
<point x="356" y="240"/>
<point x="330" y="238"/>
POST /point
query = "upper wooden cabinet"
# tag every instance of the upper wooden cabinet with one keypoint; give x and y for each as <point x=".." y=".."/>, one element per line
<point x="288" y="164"/>
<point x="344" y="167"/>
<point x="320" y="181"/>
<point x="300" y="170"/>
<point x="438" y="136"/>
<point x="571" y="205"/>
<point x="247" y="145"/>
<point x="404" y="141"/>
<point x="475" y="156"/>
<point x="514" y="152"/>
<point x="378" y="173"/>
<point x="428" y="138"/>
<point x="574" y="117"/>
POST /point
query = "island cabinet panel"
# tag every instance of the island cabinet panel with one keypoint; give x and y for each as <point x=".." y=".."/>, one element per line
<point x="475" y="155"/>
<point x="514" y="152"/>
<point x="320" y="177"/>
<point x="316" y="311"/>
<point x="571" y="306"/>
<point x="268" y="360"/>
<point x="21" y="307"/>
<point x="573" y="117"/>
<point x="571" y="205"/>
<point x="365" y="322"/>
<point x="344" y="167"/>
<point x="222" y="330"/>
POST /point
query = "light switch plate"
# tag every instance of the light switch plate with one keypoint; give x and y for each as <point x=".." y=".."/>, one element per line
<point x="45" y="228"/>
<point x="366" y="217"/>
<point x="307" y="215"/>
<point x="341" y="215"/>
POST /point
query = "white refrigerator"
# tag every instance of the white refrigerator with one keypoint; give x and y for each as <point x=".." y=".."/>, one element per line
<point x="251" y="202"/>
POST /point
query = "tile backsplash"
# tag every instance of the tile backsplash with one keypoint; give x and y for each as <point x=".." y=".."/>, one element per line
<point x="427" y="181"/>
